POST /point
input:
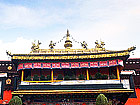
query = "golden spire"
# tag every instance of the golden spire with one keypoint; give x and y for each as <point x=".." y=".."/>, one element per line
<point x="68" y="43"/>
<point x="68" y="33"/>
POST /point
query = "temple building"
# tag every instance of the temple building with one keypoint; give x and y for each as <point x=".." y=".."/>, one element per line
<point x="132" y="67"/>
<point x="8" y="80"/>
<point x="77" y="76"/>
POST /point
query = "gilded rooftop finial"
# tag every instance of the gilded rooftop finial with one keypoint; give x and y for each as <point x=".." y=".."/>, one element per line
<point x="68" y="33"/>
<point x="51" y="45"/>
<point x="84" y="45"/>
<point x="34" y="46"/>
<point x="68" y="43"/>
<point x="100" y="46"/>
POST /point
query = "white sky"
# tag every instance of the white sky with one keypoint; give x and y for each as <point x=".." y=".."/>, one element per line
<point x="116" y="22"/>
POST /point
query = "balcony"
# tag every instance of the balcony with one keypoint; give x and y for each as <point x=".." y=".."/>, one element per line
<point x="72" y="85"/>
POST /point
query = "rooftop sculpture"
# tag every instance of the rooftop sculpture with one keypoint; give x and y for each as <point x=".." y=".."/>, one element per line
<point x="68" y="45"/>
<point x="34" y="46"/>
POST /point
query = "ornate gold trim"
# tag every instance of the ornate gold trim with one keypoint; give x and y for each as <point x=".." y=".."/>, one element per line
<point x="33" y="57"/>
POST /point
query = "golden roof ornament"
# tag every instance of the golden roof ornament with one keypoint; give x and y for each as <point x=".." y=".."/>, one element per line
<point x="100" y="46"/>
<point x="68" y="43"/>
<point x="34" y="46"/>
<point x="84" y="45"/>
<point x="51" y="45"/>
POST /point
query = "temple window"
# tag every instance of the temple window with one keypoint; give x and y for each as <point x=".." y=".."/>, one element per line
<point x="130" y="62"/>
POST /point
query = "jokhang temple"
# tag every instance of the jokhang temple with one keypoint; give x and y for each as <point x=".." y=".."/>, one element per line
<point x="64" y="76"/>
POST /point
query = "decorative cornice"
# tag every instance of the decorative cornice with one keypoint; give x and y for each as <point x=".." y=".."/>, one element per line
<point x="68" y="56"/>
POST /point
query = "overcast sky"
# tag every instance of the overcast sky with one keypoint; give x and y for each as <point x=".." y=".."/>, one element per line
<point x="116" y="22"/>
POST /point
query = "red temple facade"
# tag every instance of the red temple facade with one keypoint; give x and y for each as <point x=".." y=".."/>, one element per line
<point x="70" y="76"/>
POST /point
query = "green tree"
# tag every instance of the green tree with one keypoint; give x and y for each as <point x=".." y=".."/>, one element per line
<point x="36" y="78"/>
<point x="66" y="77"/>
<point x="15" y="101"/>
<point x="104" y="76"/>
<point x="28" y="78"/>
<point x="112" y="76"/>
<point x="42" y="78"/>
<point x="59" y="77"/>
<point x="73" y="77"/>
<point x="90" y="77"/>
<point x="81" y="77"/>
<point x="98" y="75"/>
<point x="48" y="77"/>
<point x="101" y="100"/>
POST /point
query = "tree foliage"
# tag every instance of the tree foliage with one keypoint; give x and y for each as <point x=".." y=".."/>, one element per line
<point x="36" y="78"/>
<point x="98" y="75"/>
<point x="112" y="76"/>
<point x="15" y="101"/>
<point x="101" y="76"/>
<point x="48" y="77"/>
<point x="59" y="77"/>
<point x="66" y="77"/>
<point x="104" y="76"/>
<point x="90" y="77"/>
<point x="42" y="78"/>
<point x="28" y="78"/>
<point x="101" y="100"/>
<point x="81" y="77"/>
